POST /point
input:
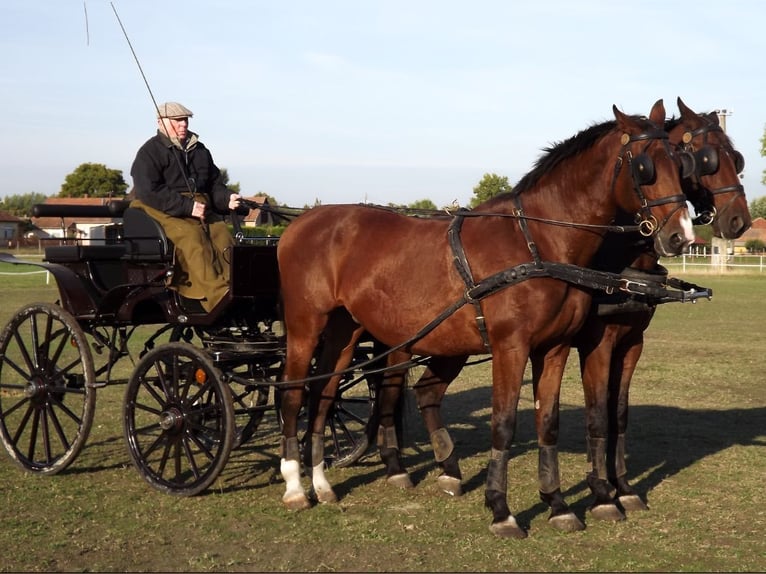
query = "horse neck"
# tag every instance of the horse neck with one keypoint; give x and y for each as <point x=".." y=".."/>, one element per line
<point x="580" y="194"/>
<point x="622" y="250"/>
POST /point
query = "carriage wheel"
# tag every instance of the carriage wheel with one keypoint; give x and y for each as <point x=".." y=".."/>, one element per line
<point x="178" y="419"/>
<point x="47" y="388"/>
<point x="353" y="420"/>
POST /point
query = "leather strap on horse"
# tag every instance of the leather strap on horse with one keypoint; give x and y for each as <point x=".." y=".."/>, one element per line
<point x="464" y="270"/>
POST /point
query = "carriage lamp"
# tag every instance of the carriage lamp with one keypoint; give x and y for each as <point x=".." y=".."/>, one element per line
<point x="200" y="376"/>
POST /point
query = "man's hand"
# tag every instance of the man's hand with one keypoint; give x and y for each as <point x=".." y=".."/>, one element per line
<point x="233" y="201"/>
<point x="199" y="210"/>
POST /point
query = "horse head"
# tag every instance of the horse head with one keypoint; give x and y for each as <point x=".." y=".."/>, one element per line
<point x="713" y="187"/>
<point x="646" y="181"/>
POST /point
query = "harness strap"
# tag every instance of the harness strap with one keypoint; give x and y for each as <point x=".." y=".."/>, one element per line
<point x="464" y="270"/>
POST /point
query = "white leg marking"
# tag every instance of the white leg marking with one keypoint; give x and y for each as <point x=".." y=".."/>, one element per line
<point x="291" y="472"/>
<point x="321" y="485"/>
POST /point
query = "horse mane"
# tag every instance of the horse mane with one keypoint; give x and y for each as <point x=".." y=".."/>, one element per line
<point x="559" y="152"/>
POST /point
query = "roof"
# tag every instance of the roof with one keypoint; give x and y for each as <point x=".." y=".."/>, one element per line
<point x="756" y="231"/>
<point x="255" y="214"/>
<point x="6" y="217"/>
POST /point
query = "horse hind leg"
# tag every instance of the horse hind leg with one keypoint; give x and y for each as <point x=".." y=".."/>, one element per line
<point x="389" y="407"/>
<point x="341" y="336"/>
<point x="291" y="396"/>
<point x="429" y="391"/>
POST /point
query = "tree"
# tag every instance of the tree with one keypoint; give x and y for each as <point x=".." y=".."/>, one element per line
<point x="93" y="180"/>
<point x="489" y="186"/>
<point x="758" y="207"/>
<point x="422" y="204"/>
<point x="21" y="205"/>
<point x="755" y="246"/>
<point x="763" y="153"/>
<point x="232" y="187"/>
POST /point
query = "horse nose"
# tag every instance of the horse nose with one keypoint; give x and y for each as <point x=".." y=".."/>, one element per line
<point x="678" y="243"/>
<point x="736" y="226"/>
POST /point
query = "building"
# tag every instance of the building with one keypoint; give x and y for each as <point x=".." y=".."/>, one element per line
<point x="258" y="217"/>
<point x="756" y="231"/>
<point x="85" y="229"/>
<point x="10" y="230"/>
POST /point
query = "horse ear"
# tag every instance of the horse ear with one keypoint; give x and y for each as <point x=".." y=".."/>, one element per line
<point x="686" y="111"/>
<point x="657" y="115"/>
<point x="713" y="118"/>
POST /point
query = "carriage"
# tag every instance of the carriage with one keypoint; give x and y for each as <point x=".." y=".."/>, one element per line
<point x="187" y="405"/>
<point x="201" y="382"/>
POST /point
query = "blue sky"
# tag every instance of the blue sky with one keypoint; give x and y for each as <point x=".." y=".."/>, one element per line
<point x="351" y="101"/>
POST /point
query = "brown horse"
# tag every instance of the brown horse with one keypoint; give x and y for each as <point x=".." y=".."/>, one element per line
<point x="348" y="269"/>
<point x="609" y="346"/>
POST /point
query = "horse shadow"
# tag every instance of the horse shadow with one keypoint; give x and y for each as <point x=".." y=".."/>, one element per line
<point x="662" y="441"/>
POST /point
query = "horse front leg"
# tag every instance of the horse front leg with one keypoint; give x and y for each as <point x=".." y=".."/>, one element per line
<point x="596" y="348"/>
<point x="429" y="391"/>
<point x="618" y="426"/>
<point x="547" y="372"/>
<point x="507" y="374"/>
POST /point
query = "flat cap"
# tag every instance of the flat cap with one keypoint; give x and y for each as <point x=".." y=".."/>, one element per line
<point x="174" y="110"/>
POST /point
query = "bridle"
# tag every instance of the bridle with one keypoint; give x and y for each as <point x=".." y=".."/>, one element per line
<point x="642" y="173"/>
<point x="707" y="162"/>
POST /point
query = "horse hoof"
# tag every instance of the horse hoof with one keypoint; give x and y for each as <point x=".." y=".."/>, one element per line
<point x="632" y="502"/>
<point x="400" y="480"/>
<point x="507" y="529"/>
<point x="296" y="501"/>
<point x="450" y="485"/>
<point x="566" y="522"/>
<point x="326" y="496"/>
<point x="607" y="512"/>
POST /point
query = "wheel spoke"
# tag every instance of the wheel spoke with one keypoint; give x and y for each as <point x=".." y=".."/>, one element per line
<point x="57" y="424"/>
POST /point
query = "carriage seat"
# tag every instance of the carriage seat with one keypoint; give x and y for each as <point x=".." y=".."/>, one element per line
<point x="144" y="238"/>
<point x="77" y="253"/>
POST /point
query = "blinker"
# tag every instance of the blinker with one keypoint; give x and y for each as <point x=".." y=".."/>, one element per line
<point x="688" y="163"/>
<point x="707" y="160"/>
<point x="643" y="169"/>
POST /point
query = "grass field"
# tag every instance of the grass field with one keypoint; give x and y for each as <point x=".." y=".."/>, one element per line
<point x="696" y="443"/>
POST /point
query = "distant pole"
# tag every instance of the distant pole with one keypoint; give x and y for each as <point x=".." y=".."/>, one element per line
<point x="724" y="247"/>
<point x="722" y="115"/>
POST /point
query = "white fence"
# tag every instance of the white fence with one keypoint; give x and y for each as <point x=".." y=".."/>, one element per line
<point x="716" y="263"/>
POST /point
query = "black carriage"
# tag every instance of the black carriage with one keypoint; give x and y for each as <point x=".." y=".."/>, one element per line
<point x="201" y="382"/>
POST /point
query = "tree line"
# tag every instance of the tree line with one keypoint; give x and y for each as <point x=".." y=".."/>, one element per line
<point x="97" y="180"/>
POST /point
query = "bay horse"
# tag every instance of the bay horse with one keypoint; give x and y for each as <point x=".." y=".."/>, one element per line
<point x="609" y="346"/>
<point x="611" y="340"/>
<point x="346" y="269"/>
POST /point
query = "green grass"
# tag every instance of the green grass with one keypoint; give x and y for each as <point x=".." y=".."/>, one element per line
<point x="696" y="449"/>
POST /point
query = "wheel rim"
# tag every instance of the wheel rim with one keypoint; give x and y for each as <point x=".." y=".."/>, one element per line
<point x="47" y="388"/>
<point x="353" y="419"/>
<point x="179" y="419"/>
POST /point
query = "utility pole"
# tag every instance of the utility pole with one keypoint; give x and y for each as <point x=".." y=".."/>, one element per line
<point x="721" y="247"/>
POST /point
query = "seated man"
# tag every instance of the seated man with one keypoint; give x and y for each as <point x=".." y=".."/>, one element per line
<point x="177" y="183"/>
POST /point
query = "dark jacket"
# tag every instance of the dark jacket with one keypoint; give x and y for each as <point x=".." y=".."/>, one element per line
<point x="161" y="171"/>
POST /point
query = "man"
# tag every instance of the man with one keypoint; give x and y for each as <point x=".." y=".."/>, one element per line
<point x="177" y="183"/>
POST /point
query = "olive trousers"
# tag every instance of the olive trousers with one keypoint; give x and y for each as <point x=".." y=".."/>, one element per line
<point x="202" y="255"/>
